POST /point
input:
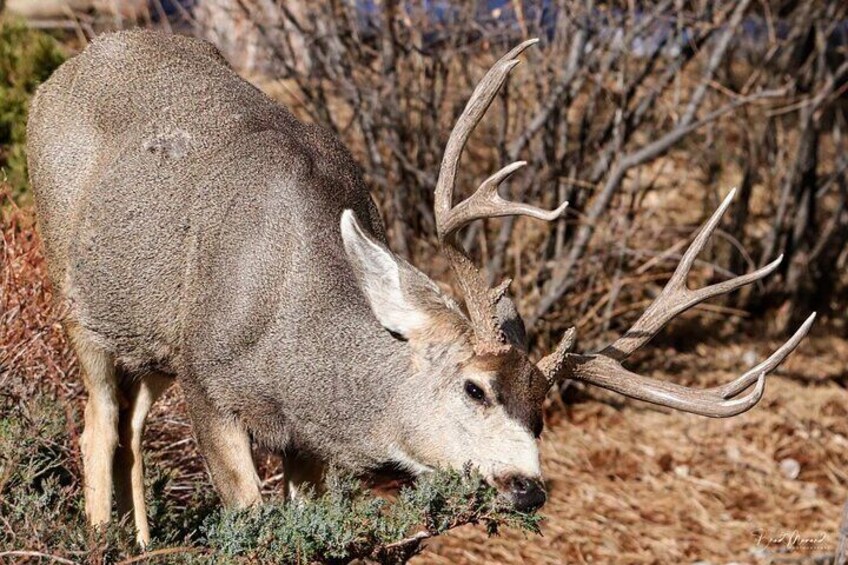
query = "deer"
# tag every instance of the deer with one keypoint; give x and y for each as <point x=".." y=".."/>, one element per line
<point x="198" y="233"/>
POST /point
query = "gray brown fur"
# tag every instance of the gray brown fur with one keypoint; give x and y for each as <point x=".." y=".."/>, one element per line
<point x="192" y="224"/>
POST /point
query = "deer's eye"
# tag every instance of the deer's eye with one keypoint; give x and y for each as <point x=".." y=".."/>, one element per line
<point x="474" y="392"/>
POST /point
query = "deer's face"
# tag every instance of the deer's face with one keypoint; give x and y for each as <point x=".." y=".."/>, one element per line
<point x="481" y="408"/>
<point x="461" y="404"/>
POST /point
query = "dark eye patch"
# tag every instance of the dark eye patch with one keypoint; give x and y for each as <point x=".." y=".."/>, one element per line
<point x="538" y="426"/>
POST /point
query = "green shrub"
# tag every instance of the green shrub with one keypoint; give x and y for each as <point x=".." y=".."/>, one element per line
<point x="40" y="493"/>
<point x="348" y="522"/>
<point x="27" y="58"/>
<point x="41" y="508"/>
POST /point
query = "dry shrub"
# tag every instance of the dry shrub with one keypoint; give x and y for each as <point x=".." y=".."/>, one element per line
<point x="33" y="347"/>
<point x="642" y="117"/>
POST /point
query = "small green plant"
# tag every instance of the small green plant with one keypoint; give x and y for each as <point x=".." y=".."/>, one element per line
<point x="27" y="58"/>
<point x="348" y="522"/>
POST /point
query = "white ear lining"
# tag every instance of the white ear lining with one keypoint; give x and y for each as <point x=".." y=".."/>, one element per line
<point x="378" y="273"/>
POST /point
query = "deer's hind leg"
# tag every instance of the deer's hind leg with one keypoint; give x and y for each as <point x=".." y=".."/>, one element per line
<point x="140" y="393"/>
<point x="100" y="432"/>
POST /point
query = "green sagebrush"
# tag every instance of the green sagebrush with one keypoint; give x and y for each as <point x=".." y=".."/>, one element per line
<point x="27" y="58"/>
<point x="41" y="509"/>
<point x="348" y="522"/>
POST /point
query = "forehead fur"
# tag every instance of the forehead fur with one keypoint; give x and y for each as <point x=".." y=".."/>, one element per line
<point x="520" y="385"/>
<point x="448" y="340"/>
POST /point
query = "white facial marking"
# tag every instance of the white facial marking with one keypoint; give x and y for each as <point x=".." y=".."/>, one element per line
<point x="485" y="436"/>
<point x="406" y="462"/>
<point x="510" y="447"/>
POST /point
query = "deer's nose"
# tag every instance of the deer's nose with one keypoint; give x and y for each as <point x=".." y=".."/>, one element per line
<point x="527" y="494"/>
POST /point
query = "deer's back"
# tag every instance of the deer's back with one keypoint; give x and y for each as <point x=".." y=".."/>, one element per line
<point x="150" y="160"/>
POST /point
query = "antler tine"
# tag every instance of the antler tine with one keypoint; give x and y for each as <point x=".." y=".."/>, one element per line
<point x="676" y="297"/>
<point x="604" y="369"/>
<point x="474" y="110"/>
<point x="733" y="388"/>
<point x="487" y="203"/>
<point x="484" y="203"/>
<point x="553" y="366"/>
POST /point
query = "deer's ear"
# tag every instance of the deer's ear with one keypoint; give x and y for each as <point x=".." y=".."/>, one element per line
<point x="381" y="277"/>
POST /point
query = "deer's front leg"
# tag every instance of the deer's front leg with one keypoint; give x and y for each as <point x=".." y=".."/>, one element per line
<point x="225" y="445"/>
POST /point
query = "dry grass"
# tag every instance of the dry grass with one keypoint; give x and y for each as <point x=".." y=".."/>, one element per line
<point x="633" y="484"/>
<point x="628" y="483"/>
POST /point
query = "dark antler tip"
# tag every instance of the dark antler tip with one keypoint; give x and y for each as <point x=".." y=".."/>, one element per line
<point x="516" y="51"/>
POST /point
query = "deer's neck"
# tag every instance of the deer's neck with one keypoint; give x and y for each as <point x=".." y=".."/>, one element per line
<point x="333" y="379"/>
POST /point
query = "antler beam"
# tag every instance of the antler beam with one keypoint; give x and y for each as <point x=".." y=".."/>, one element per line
<point x="484" y="203"/>
<point x="718" y="402"/>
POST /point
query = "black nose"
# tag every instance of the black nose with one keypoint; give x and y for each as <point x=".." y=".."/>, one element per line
<point x="527" y="494"/>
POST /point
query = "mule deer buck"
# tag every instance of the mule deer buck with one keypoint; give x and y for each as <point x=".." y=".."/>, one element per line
<point x="199" y="232"/>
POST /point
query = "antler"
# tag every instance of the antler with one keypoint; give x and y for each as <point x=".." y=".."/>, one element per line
<point x="484" y="203"/>
<point x="604" y="369"/>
